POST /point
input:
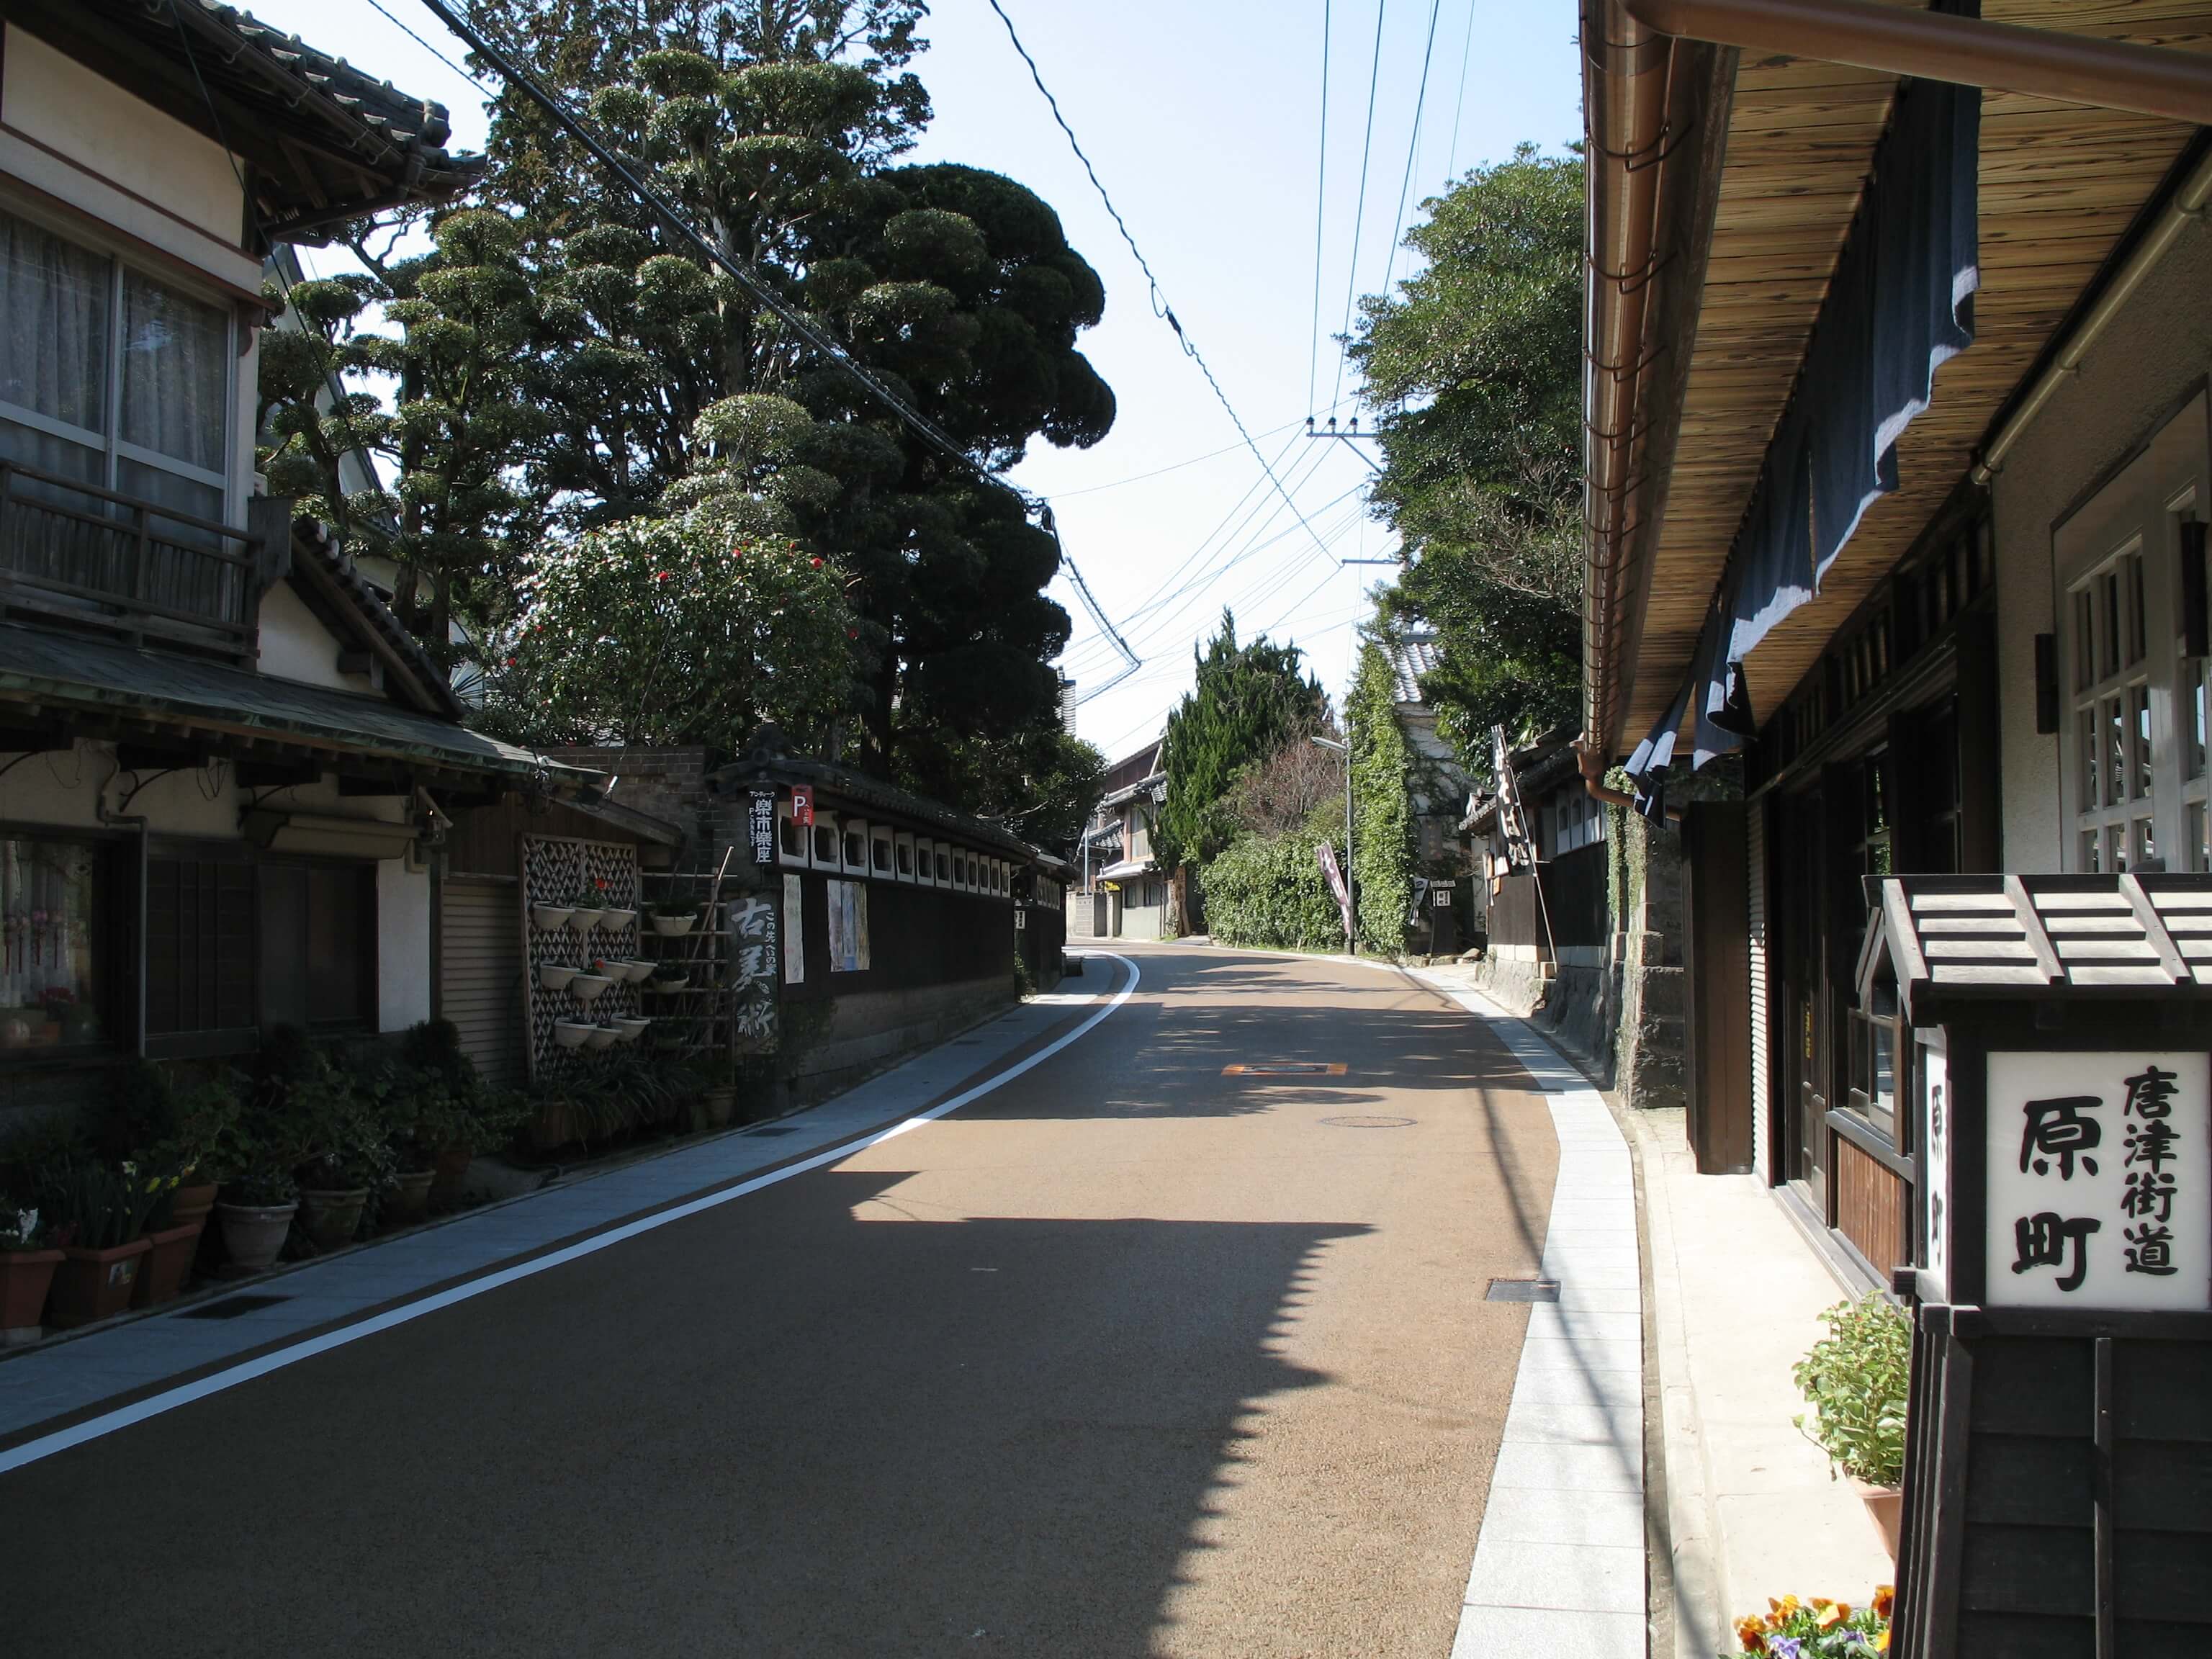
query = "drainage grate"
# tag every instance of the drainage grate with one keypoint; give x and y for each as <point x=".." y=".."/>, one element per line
<point x="230" y="1307"/>
<point x="767" y="1129"/>
<point x="1369" y="1122"/>
<point x="1525" y="1290"/>
<point x="1286" y="1068"/>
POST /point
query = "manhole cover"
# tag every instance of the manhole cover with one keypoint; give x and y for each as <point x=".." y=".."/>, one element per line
<point x="1525" y="1290"/>
<point x="1286" y="1068"/>
<point x="1369" y="1122"/>
<point x="230" y="1307"/>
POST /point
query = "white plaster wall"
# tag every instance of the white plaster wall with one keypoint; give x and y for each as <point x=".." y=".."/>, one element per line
<point x="403" y="945"/>
<point x="52" y="97"/>
<point x="295" y="646"/>
<point x="2149" y="359"/>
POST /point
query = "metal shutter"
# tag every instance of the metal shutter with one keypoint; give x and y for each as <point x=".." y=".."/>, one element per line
<point x="480" y="972"/>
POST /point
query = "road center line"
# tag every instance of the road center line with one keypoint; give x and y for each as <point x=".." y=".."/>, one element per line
<point x="155" y="1405"/>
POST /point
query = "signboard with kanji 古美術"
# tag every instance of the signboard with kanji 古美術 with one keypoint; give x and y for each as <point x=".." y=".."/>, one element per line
<point x="2099" y="1173"/>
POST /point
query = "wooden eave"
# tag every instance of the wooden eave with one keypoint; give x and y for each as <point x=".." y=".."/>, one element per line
<point x="2061" y="186"/>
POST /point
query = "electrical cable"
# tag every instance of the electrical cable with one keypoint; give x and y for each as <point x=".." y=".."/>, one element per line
<point x="1413" y="151"/>
<point x="1161" y="308"/>
<point x="1466" y="55"/>
<point x="1359" y="213"/>
<point x="1320" y="203"/>
<point x="754" y="284"/>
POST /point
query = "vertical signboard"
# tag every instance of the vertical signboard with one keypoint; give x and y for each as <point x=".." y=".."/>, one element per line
<point x="760" y="827"/>
<point x="2099" y="1184"/>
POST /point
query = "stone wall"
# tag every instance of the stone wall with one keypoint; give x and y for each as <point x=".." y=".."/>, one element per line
<point x="868" y="1031"/>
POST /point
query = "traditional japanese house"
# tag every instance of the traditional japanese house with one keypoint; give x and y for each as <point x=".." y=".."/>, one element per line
<point x="1897" y="477"/>
<point x="876" y="920"/>
<point x="1119" y="889"/>
<point x="226" y="766"/>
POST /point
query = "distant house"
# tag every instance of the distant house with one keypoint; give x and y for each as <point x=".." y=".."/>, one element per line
<point x="1436" y="791"/>
<point x="225" y="767"/>
<point x="1120" y="891"/>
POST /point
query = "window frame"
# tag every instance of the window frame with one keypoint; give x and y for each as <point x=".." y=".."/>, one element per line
<point x="2121" y="655"/>
<point x="110" y="445"/>
<point x="118" y="944"/>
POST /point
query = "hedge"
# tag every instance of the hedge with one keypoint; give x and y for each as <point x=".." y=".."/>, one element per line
<point x="1269" y="890"/>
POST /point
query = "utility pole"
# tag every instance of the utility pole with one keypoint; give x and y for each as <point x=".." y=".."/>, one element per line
<point x="1351" y="893"/>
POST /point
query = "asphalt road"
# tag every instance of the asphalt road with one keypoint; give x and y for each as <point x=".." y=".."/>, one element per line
<point x="1128" y="1358"/>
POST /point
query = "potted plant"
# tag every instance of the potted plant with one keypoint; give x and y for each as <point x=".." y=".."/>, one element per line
<point x="343" y="1112"/>
<point x="1818" y="1628"/>
<point x="98" y="1217"/>
<point x="555" y="975"/>
<point x="614" y="918"/>
<point x="1856" y="1379"/>
<point x="26" y="1273"/>
<point x="586" y="988"/>
<point x="670" y="976"/>
<point x="585" y="908"/>
<point x="550" y="918"/>
<point x="672" y="919"/>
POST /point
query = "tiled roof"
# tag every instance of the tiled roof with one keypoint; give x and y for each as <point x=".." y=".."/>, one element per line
<point x="1412" y="656"/>
<point x="317" y="561"/>
<point x="325" y="142"/>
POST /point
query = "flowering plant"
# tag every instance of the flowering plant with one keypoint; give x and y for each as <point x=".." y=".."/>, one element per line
<point x="19" y="1229"/>
<point x="1856" y="1379"/>
<point x="1818" y="1628"/>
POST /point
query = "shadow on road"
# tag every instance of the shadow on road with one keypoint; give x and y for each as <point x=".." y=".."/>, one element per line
<point x="771" y="1429"/>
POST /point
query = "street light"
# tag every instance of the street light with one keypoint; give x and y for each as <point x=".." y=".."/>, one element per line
<point x="1351" y="944"/>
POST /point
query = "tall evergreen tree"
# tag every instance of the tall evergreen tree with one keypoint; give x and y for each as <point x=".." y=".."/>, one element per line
<point x="1475" y="366"/>
<point x="1249" y="702"/>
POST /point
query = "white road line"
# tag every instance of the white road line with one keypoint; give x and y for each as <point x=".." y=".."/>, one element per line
<point x="107" y="1422"/>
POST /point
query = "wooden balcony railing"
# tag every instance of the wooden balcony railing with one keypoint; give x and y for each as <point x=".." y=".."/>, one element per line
<point x="71" y="551"/>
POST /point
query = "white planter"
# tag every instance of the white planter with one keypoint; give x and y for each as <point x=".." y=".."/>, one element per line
<point x="555" y="975"/>
<point x="586" y="988"/>
<point x="602" y="1036"/>
<point x="572" y="1033"/>
<point x="586" y="920"/>
<point x="637" y="971"/>
<point x="670" y="984"/>
<point x="674" y="927"/>
<point x="613" y="921"/>
<point x="629" y="1030"/>
<point x="549" y="918"/>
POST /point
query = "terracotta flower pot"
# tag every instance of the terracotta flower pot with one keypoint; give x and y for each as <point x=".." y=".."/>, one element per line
<point x="332" y="1216"/>
<point x="254" y="1233"/>
<point x="450" y="1177"/>
<point x="410" y="1199"/>
<point x="91" y="1285"/>
<point x="24" y="1278"/>
<point x="192" y="1203"/>
<point x="168" y="1260"/>
<point x="1886" y="1505"/>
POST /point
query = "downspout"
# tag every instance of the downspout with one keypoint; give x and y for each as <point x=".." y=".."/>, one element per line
<point x="2078" y="69"/>
<point x="1592" y="765"/>
<point x="1627" y="67"/>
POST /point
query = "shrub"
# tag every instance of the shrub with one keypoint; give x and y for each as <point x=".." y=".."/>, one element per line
<point x="1269" y="890"/>
<point x="1856" y="1379"/>
<point x="1818" y="1628"/>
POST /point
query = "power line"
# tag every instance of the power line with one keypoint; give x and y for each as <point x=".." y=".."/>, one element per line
<point x="1359" y="213"/>
<point x="1466" y="55"/>
<point x="1320" y="202"/>
<point x="1413" y="150"/>
<point x="765" y="295"/>
<point x="1161" y="308"/>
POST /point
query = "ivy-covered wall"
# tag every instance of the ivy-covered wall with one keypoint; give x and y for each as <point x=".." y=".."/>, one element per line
<point x="1269" y="890"/>
<point x="1381" y="777"/>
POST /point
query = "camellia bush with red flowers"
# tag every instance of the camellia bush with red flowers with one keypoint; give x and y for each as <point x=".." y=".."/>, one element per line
<point x="669" y="631"/>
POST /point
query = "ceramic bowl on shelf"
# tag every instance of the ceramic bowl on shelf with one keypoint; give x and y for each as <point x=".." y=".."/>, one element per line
<point x="549" y="918"/>
<point x="601" y="1036"/>
<point x="674" y="927"/>
<point x="586" y="919"/>
<point x="629" y="1030"/>
<point x="672" y="984"/>
<point x="613" y="920"/>
<point x="586" y="988"/>
<point x="555" y="975"/>
<point x="572" y="1033"/>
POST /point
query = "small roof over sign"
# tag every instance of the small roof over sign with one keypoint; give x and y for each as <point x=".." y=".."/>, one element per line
<point x="1983" y="938"/>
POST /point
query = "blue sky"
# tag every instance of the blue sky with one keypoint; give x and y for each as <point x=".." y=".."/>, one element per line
<point x="1203" y="121"/>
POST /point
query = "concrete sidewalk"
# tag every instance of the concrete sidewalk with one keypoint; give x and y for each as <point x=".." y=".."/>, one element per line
<point x="61" y="1381"/>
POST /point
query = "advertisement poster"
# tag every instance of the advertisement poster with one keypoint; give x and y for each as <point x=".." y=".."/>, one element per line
<point x="848" y="926"/>
<point x="794" y="934"/>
